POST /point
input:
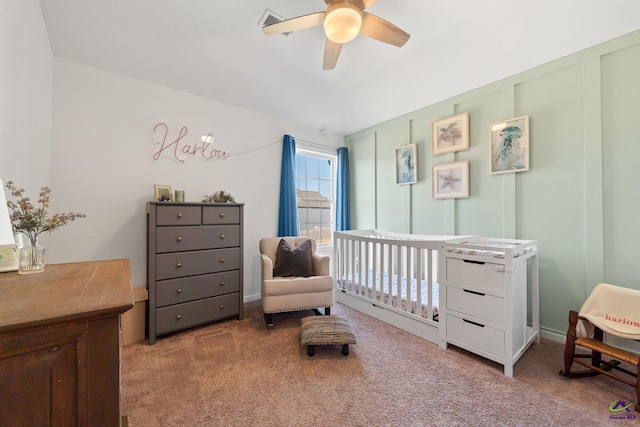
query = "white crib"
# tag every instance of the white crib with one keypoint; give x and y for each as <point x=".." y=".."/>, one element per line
<point x="390" y="276"/>
<point x="477" y="293"/>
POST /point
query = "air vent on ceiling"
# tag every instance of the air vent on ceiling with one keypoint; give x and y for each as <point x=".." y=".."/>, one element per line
<point x="271" y="17"/>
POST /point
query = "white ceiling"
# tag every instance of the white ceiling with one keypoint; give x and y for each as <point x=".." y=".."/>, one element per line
<point x="216" y="49"/>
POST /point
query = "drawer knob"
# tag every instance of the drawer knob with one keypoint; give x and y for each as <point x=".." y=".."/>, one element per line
<point x="178" y="291"/>
<point x="222" y="236"/>
<point x="221" y="214"/>
<point x="221" y="283"/>
<point x="179" y="238"/>
<point x="222" y="307"/>
<point x="179" y="215"/>
<point x="179" y="316"/>
<point x="179" y="265"/>
<point x="221" y="259"/>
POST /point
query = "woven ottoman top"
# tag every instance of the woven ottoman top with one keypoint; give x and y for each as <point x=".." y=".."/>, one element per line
<point x="322" y="330"/>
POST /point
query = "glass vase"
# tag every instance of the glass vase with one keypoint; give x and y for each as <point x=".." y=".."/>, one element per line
<point x="31" y="256"/>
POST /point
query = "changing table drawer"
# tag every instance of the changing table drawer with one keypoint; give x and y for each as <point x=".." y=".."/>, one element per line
<point x="476" y="304"/>
<point x="475" y="336"/>
<point x="479" y="274"/>
<point x="181" y="316"/>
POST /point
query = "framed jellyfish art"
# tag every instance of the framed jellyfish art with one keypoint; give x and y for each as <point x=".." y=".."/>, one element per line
<point x="510" y="145"/>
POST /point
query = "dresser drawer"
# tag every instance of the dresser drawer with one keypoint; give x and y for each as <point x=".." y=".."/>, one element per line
<point x="220" y="214"/>
<point x="475" y="336"/>
<point x="176" y="291"/>
<point x="176" y="239"/>
<point x="181" y="264"/>
<point x="178" y="215"/>
<point x="480" y="305"/>
<point x="181" y="316"/>
<point x="481" y="274"/>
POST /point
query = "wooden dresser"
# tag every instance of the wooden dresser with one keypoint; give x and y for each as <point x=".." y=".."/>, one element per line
<point x="194" y="264"/>
<point x="60" y="344"/>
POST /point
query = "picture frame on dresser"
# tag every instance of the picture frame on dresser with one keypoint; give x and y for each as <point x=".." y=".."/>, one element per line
<point x="162" y="193"/>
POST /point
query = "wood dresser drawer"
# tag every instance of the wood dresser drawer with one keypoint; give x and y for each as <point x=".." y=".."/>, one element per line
<point x="475" y="336"/>
<point x="181" y="264"/>
<point x="177" y="291"/>
<point x="178" y="215"/>
<point x="479" y="274"/>
<point x="182" y="316"/>
<point x="191" y="238"/>
<point x="220" y="214"/>
<point x="476" y="304"/>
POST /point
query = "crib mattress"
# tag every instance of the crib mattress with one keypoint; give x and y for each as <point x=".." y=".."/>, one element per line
<point x="368" y="285"/>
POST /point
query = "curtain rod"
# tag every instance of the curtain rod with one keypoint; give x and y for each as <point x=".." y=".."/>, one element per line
<point x="315" y="143"/>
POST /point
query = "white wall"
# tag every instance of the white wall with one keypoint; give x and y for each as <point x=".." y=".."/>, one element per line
<point x="26" y="64"/>
<point x="103" y="144"/>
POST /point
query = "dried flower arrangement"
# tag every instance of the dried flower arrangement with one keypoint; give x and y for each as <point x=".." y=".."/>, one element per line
<point x="33" y="220"/>
<point x="219" y="197"/>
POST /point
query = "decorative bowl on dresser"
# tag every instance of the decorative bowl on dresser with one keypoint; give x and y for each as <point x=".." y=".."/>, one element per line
<point x="194" y="274"/>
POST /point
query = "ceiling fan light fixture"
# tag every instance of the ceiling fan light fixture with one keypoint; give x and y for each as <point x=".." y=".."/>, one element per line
<point x="342" y="22"/>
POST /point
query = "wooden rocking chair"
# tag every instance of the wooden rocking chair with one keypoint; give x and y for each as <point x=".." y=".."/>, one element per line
<point x="597" y="365"/>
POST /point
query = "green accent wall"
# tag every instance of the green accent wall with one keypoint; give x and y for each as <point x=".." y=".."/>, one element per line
<point x="580" y="199"/>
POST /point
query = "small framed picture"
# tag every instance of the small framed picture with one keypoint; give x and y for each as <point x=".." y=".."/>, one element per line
<point x="510" y="145"/>
<point x="162" y="193"/>
<point x="406" y="165"/>
<point x="451" y="134"/>
<point x="451" y="180"/>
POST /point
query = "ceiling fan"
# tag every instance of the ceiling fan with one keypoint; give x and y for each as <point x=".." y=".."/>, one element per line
<point x="343" y="21"/>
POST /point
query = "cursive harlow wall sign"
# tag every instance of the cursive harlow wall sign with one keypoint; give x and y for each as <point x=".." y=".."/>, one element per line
<point x="180" y="150"/>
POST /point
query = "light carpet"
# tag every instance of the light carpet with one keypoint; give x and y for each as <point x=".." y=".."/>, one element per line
<point x="239" y="373"/>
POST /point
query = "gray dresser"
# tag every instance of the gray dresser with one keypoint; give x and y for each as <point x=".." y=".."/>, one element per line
<point x="194" y="264"/>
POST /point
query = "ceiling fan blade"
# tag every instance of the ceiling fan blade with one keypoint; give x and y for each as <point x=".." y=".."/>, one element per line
<point x="369" y="3"/>
<point x="362" y="4"/>
<point x="294" y="24"/>
<point x="331" y="54"/>
<point x="381" y="30"/>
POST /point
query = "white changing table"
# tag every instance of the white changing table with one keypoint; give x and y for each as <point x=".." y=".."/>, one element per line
<point x="489" y="303"/>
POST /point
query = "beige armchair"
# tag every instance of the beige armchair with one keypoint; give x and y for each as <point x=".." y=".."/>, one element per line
<point x="294" y="276"/>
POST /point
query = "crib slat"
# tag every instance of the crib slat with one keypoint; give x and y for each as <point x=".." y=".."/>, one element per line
<point x="408" y="275"/>
<point x="419" y="274"/>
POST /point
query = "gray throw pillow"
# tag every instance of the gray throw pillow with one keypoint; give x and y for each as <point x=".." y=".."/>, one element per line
<point x="293" y="262"/>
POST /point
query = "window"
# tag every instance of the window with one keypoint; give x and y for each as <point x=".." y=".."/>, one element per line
<point x="315" y="187"/>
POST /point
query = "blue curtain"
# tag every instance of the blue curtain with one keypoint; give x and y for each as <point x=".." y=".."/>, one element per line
<point x="342" y="196"/>
<point x="288" y="216"/>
